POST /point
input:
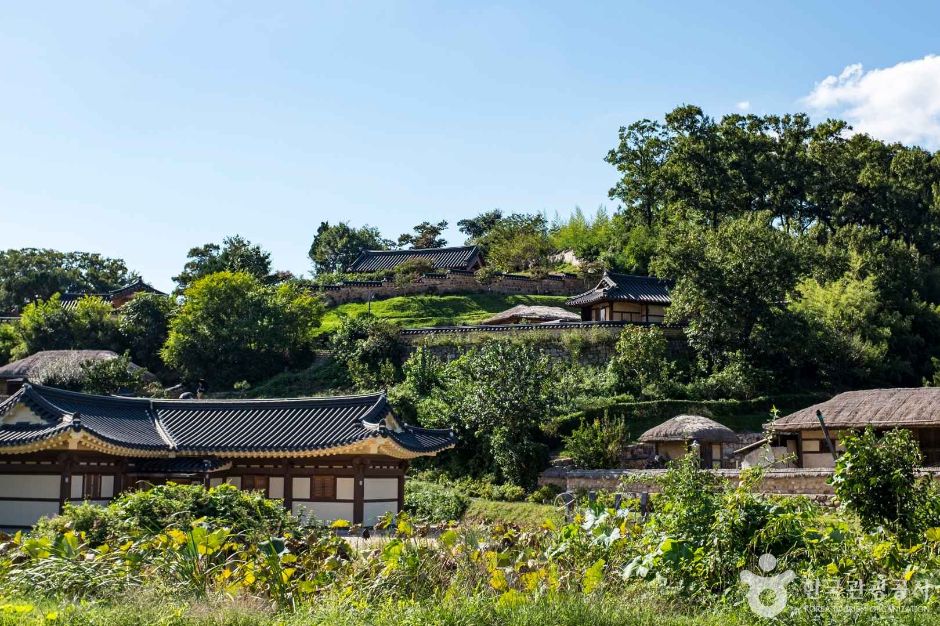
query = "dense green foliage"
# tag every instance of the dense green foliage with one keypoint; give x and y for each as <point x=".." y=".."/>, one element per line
<point x="434" y="502"/>
<point x="334" y="248"/>
<point x="597" y="444"/>
<point x="228" y="548"/>
<point x="424" y="235"/>
<point x="31" y="274"/>
<point x="144" y="324"/>
<point x="496" y="397"/>
<point x="232" y="327"/>
<point x="641" y="364"/>
<point x="369" y="349"/>
<point x="236" y="254"/>
<point x="876" y="479"/>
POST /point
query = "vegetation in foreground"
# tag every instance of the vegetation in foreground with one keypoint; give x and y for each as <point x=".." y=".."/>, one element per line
<point x="189" y="556"/>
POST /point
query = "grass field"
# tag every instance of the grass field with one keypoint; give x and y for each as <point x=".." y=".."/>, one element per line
<point x="523" y="514"/>
<point x="444" y="310"/>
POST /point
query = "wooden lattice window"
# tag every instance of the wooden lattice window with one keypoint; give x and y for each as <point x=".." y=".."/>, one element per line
<point x="323" y="488"/>
<point x="255" y="482"/>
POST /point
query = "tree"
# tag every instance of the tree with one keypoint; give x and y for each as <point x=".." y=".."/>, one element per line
<point x="876" y="479"/>
<point x="518" y="242"/>
<point x="44" y="325"/>
<point x="426" y="235"/>
<point x="236" y="254"/>
<point x="732" y="285"/>
<point x="31" y="274"/>
<point x="475" y="228"/>
<point x="334" y="248"/>
<point x="232" y="327"/>
<point x="144" y="324"/>
<point x="639" y="158"/>
<point x="370" y="349"/>
<point x="497" y="396"/>
<point x="597" y="444"/>
<point x="640" y="365"/>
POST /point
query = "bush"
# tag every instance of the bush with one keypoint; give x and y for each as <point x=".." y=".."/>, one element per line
<point x="433" y="502"/>
<point x="107" y="376"/>
<point x="508" y="493"/>
<point x="597" y="444"/>
<point x="172" y="505"/>
<point x="545" y="494"/>
<point x="876" y="479"/>
<point x="640" y="365"/>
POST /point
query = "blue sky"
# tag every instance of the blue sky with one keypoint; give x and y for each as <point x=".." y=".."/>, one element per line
<point x="142" y="129"/>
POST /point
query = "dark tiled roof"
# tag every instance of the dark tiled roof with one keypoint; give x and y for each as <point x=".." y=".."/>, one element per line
<point x="627" y="288"/>
<point x="70" y="299"/>
<point x="459" y="258"/>
<point x="179" y="465"/>
<point x="216" y="427"/>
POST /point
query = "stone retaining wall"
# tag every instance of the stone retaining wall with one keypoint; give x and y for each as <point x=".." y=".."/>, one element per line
<point x="453" y="282"/>
<point x="811" y="482"/>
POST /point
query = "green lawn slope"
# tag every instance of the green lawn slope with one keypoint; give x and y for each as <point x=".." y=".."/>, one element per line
<point x="443" y="310"/>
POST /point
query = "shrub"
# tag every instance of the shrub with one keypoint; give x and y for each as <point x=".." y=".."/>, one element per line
<point x="640" y="365"/>
<point x="99" y="376"/>
<point x="876" y="479"/>
<point x="597" y="444"/>
<point x="545" y="494"/>
<point x="433" y="502"/>
<point x="508" y="493"/>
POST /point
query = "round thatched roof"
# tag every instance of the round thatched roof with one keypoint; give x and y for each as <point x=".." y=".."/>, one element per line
<point x="689" y="427"/>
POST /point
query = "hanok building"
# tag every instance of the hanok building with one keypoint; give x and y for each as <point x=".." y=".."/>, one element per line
<point x="674" y="438"/>
<point x="801" y="433"/>
<point x="327" y="458"/>
<point x="462" y="258"/>
<point x="116" y="298"/>
<point x="625" y="298"/>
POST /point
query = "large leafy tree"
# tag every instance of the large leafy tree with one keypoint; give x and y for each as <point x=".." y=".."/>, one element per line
<point x="517" y="242"/>
<point x="497" y="396"/>
<point x="144" y="324"/>
<point x="47" y="325"/>
<point x="425" y="235"/>
<point x="236" y="254"/>
<point x="31" y="274"/>
<point x="233" y="327"/>
<point x="335" y="247"/>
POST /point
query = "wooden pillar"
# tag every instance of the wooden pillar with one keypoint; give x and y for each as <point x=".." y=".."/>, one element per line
<point x="403" y="466"/>
<point x="288" y="474"/>
<point x="65" y="483"/>
<point x="359" y="465"/>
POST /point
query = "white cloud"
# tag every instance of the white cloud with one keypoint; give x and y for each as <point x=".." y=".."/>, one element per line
<point x="898" y="103"/>
<point x="744" y="105"/>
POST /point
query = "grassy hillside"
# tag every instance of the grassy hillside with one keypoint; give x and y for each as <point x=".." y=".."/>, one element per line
<point x="443" y="310"/>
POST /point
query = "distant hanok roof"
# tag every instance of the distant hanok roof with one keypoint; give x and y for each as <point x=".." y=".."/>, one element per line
<point x="687" y="428"/>
<point x="38" y="418"/>
<point x="880" y="408"/>
<point x="458" y="258"/>
<point x="522" y="313"/>
<point x="625" y="287"/>
<point x="34" y="363"/>
<point x="70" y="298"/>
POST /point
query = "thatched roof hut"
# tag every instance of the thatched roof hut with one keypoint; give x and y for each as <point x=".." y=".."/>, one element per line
<point x="523" y="313"/>
<point x="688" y="428"/>
<point x="32" y="367"/>
<point x="917" y="407"/>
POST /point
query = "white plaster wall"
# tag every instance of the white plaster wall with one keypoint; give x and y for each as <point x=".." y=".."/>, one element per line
<point x="215" y="482"/>
<point x="76" y="481"/>
<point x="25" y="513"/>
<point x="29" y="486"/>
<point x="345" y="488"/>
<point x="372" y="511"/>
<point x="235" y="480"/>
<point x="323" y="511"/>
<point x="380" y="489"/>
<point x="276" y="487"/>
<point x="107" y="486"/>
<point x="300" y="487"/>
<point x="818" y="460"/>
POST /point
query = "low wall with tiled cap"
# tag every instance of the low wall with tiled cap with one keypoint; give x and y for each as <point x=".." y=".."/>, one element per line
<point x="812" y="482"/>
<point x="454" y="282"/>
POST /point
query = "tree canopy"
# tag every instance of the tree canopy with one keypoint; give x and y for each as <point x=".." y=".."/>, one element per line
<point x="335" y="247"/>
<point x="31" y="274"/>
<point x="236" y="254"/>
